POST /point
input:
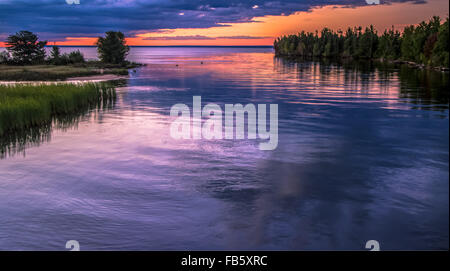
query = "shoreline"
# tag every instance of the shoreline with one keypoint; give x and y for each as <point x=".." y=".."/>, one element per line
<point x="97" y="78"/>
<point x="82" y="79"/>
<point x="379" y="60"/>
<point x="414" y="65"/>
<point x="89" y="71"/>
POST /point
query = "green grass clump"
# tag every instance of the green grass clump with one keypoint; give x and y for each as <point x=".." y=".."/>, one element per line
<point x="25" y="106"/>
<point x="43" y="72"/>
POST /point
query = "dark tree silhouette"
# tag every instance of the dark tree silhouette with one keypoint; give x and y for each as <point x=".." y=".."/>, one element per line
<point x="112" y="48"/>
<point x="427" y="43"/>
<point x="26" y="48"/>
<point x="55" y="53"/>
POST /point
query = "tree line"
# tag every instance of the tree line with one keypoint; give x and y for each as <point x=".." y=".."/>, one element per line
<point x="24" y="48"/>
<point x="426" y="43"/>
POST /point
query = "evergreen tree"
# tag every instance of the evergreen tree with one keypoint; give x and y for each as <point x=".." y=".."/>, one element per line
<point x="26" y="48"/>
<point x="426" y="43"/>
<point x="112" y="48"/>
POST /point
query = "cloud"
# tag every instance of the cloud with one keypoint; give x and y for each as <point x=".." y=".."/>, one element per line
<point x="55" y="19"/>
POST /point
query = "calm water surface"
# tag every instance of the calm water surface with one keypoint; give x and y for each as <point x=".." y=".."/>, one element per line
<point x="363" y="154"/>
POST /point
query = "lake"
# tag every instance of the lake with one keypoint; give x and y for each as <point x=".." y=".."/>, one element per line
<point x="363" y="154"/>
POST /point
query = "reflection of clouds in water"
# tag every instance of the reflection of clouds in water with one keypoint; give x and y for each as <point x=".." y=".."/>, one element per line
<point x="334" y="193"/>
<point x="321" y="179"/>
<point x="350" y="166"/>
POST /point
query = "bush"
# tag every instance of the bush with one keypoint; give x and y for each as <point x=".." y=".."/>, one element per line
<point x="75" y="57"/>
<point x="5" y="58"/>
<point x="55" y="55"/>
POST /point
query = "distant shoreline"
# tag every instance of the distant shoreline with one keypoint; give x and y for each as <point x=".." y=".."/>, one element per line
<point x="176" y="46"/>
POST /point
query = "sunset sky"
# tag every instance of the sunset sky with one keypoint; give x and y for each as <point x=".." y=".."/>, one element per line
<point x="203" y="22"/>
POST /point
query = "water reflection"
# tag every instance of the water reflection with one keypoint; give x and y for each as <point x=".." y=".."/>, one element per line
<point x="424" y="88"/>
<point x="16" y="142"/>
<point x="357" y="160"/>
<point x="421" y="88"/>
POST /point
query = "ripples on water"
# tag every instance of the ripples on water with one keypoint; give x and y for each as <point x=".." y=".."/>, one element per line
<point x="363" y="154"/>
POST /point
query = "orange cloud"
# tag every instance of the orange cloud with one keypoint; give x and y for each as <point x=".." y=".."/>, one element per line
<point x="335" y="17"/>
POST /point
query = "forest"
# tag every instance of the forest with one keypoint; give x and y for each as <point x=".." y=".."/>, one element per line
<point x="426" y="44"/>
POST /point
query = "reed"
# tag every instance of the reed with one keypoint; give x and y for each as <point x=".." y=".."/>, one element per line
<point x="23" y="106"/>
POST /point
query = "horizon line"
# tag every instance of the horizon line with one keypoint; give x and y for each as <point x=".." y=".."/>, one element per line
<point x="248" y="46"/>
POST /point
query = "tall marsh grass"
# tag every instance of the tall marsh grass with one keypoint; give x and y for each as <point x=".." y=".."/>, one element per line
<point x="23" y="106"/>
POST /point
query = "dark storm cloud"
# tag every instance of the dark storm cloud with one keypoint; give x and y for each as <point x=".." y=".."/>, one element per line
<point x="55" y="19"/>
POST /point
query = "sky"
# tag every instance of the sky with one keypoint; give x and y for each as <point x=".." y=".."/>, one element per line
<point x="203" y="22"/>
